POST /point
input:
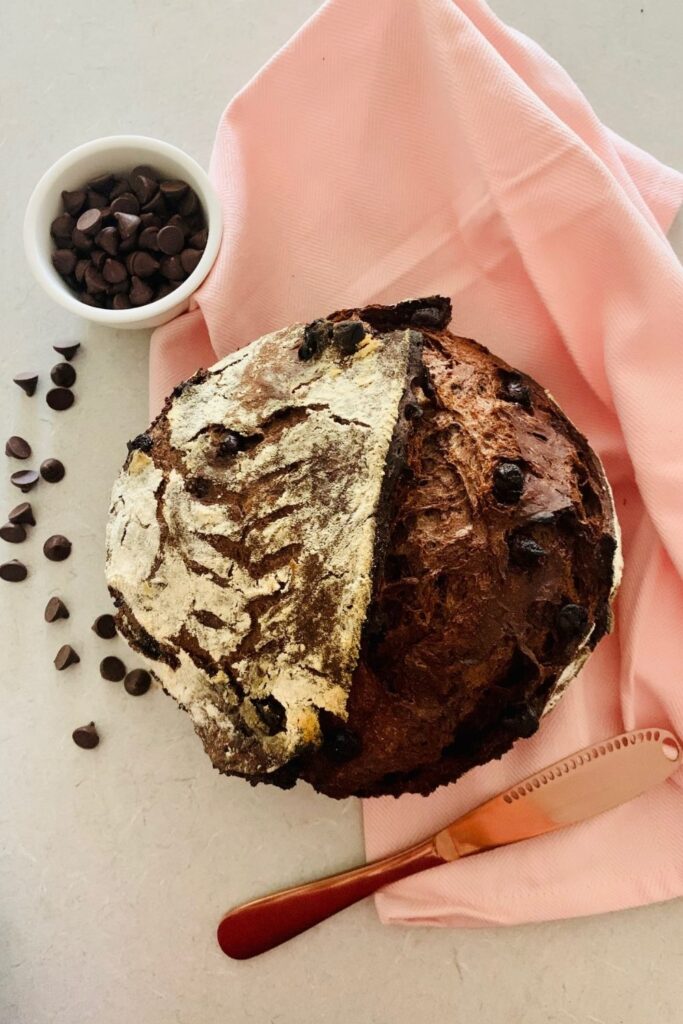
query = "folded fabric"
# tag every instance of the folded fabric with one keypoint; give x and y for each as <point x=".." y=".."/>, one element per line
<point x="395" y="149"/>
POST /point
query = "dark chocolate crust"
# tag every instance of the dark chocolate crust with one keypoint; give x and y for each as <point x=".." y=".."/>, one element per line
<point x="467" y="634"/>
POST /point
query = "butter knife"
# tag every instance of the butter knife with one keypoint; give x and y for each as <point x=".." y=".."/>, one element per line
<point x="580" y="786"/>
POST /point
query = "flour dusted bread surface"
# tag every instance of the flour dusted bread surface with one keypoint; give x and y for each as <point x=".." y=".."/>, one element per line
<point x="363" y="552"/>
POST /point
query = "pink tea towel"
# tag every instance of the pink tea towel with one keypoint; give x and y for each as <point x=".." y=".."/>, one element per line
<point x="406" y="147"/>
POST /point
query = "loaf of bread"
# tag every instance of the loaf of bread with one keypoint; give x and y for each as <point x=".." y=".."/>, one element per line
<point x="363" y="552"/>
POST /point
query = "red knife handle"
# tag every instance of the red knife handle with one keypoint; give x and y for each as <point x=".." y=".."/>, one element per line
<point x="263" y="924"/>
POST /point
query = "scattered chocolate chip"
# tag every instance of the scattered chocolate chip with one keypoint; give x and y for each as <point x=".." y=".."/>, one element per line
<point x="108" y="241"/>
<point x="65" y="656"/>
<point x="94" y="281"/>
<point x="524" y="551"/>
<point x="171" y="240"/>
<point x="57" y="548"/>
<point x="97" y="259"/>
<point x="62" y="227"/>
<point x="316" y="335"/>
<point x="142" y="264"/>
<point x="429" y="316"/>
<point x="342" y="744"/>
<point x="90" y="222"/>
<point x="103" y="183"/>
<point x="23" y="514"/>
<point x="73" y="201"/>
<point x="64" y="261"/>
<point x="143" y="171"/>
<point x="148" y="238"/>
<point x="13" y="533"/>
<point x="128" y="224"/>
<point x="114" y="272"/>
<point x="166" y="289"/>
<point x="104" y="626"/>
<point x="52" y="470"/>
<point x="348" y="334"/>
<point x="137" y="682"/>
<point x="91" y="300"/>
<point x="80" y="270"/>
<point x="13" y="571"/>
<point x="140" y="293"/>
<point x="25" y="479"/>
<point x="508" y="482"/>
<point x="60" y="398"/>
<point x="156" y="205"/>
<point x="189" y="204"/>
<point x="27" y="382"/>
<point x="144" y="187"/>
<point x="17" y="447"/>
<point x="82" y="242"/>
<point x="572" y="621"/>
<point x="86" y="736"/>
<point x="121" y="302"/>
<point x="112" y="669"/>
<point x="143" y="443"/>
<point x="522" y="719"/>
<point x="190" y="259"/>
<point x="272" y="714"/>
<point x="514" y="389"/>
<point x="55" y="609"/>
<point x="95" y="200"/>
<point x="229" y="445"/>
<point x="63" y="374"/>
<point x="126" y="203"/>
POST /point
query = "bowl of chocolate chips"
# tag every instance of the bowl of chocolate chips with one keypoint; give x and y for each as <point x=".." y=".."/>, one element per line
<point x="123" y="230"/>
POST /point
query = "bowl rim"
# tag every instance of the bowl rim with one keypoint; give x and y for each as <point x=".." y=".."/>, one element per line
<point x="61" y="293"/>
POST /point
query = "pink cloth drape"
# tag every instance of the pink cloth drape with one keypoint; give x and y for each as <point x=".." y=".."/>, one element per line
<point x="394" y="149"/>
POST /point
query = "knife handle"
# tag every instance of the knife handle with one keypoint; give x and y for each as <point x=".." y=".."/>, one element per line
<point x="263" y="924"/>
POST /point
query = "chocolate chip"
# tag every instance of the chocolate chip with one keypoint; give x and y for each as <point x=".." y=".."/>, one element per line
<point x="79" y="273"/>
<point x="348" y="334"/>
<point x="120" y="188"/>
<point x="142" y="264"/>
<point x="17" y="447"/>
<point x="198" y="486"/>
<point x="63" y="374"/>
<point x="55" y="609"/>
<point x="65" y="657"/>
<point x="60" y="398"/>
<point x="108" y="240"/>
<point x="92" y="300"/>
<point x="128" y="224"/>
<point x="103" y="183"/>
<point x="342" y="744"/>
<point x="125" y="203"/>
<point x="94" y="281"/>
<point x="64" y="261"/>
<point x="137" y="682"/>
<point x="572" y="621"/>
<point x="25" y="479"/>
<point x="57" y="548"/>
<point x="13" y="533"/>
<point x="150" y="220"/>
<point x="13" y="571"/>
<point x="429" y="316"/>
<point x="95" y="201"/>
<point x="86" y="736"/>
<point x="143" y="171"/>
<point x="62" y="228"/>
<point x="82" y="242"/>
<point x="199" y="239"/>
<point x="508" y="482"/>
<point x="272" y="714"/>
<point x="112" y="669"/>
<point x="189" y="204"/>
<point x="23" y="514"/>
<point x="172" y="268"/>
<point x="316" y="335"/>
<point x="522" y="719"/>
<point x="52" y="470"/>
<point x="140" y="293"/>
<point x="121" y="302"/>
<point x="148" y="238"/>
<point x="27" y="382"/>
<point x="104" y="626"/>
<point x="90" y="222"/>
<point x="524" y="551"/>
<point x="73" y="201"/>
<point x="144" y="187"/>
<point x="166" y="289"/>
<point x="189" y="259"/>
<point x="114" y="272"/>
<point x="170" y="240"/>
<point x="514" y="389"/>
<point x="143" y="443"/>
<point x="173" y="190"/>
<point x="97" y="259"/>
<point x="177" y="221"/>
<point x="230" y="445"/>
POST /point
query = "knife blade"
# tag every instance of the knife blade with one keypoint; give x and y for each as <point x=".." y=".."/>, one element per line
<point x="580" y="786"/>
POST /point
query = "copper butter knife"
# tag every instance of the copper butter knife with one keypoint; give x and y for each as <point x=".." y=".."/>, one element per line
<point x="580" y="786"/>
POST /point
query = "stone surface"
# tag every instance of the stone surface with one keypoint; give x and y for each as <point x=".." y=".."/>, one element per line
<point x="92" y="895"/>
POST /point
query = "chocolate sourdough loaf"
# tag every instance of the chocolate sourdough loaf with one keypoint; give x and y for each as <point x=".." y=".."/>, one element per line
<point x="363" y="552"/>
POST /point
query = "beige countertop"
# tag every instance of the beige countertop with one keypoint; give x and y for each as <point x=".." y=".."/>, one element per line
<point x="115" y="863"/>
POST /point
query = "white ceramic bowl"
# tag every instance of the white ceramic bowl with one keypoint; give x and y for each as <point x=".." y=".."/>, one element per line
<point x="117" y="153"/>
